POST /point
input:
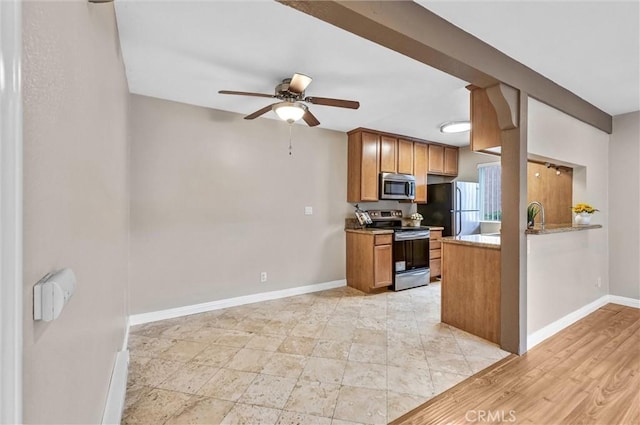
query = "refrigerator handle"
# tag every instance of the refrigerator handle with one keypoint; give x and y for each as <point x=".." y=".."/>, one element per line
<point x="458" y="213"/>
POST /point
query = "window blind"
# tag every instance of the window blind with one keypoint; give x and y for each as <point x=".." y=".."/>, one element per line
<point x="490" y="182"/>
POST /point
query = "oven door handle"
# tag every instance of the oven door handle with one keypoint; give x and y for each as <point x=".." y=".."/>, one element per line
<point x="408" y="236"/>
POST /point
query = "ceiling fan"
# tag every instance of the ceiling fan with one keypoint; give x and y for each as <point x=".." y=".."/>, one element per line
<point x="290" y="108"/>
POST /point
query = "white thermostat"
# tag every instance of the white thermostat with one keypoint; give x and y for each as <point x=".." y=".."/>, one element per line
<point x="51" y="294"/>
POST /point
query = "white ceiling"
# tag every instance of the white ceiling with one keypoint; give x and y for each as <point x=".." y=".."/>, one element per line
<point x="591" y="48"/>
<point x="186" y="51"/>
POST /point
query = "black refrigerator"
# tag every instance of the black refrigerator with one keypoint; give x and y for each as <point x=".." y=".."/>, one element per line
<point x="454" y="206"/>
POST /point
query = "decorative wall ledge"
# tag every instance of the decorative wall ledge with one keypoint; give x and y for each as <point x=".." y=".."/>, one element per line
<point x="561" y="228"/>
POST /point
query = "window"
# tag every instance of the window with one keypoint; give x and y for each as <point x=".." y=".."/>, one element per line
<point x="490" y="191"/>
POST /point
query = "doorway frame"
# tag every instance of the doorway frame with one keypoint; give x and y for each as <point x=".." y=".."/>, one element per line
<point x="11" y="298"/>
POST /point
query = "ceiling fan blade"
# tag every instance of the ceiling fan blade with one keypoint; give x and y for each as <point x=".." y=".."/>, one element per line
<point x="245" y="93"/>
<point x="259" y="112"/>
<point x="340" y="103"/>
<point x="310" y="119"/>
<point x="299" y="83"/>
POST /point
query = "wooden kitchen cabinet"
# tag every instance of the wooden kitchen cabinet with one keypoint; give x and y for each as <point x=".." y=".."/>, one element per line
<point x="369" y="260"/>
<point x="396" y="155"/>
<point x="382" y="266"/>
<point x="471" y="289"/>
<point x="420" y="170"/>
<point x="450" y="161"/>
<point x="405" y="157"/>
<point x="372" y="152"/>
<point x="435" y="253"/>
<point x="443" y="160"/>
<point x="388" y="154"/>
<point x="363" y="166"/>
<point x="436" y="159"/>
<point x="485" y="131"/>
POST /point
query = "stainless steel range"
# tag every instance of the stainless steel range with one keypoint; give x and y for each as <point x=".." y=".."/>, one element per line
<point x="410" y="249"/>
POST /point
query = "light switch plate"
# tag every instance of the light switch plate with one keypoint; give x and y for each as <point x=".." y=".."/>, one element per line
<point x="308" y="210"/>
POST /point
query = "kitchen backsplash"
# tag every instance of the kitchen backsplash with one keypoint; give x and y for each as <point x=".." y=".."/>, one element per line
<point x="407" y="208"/>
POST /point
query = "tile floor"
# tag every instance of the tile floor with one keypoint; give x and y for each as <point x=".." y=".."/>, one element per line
<point x="328" y="358"/>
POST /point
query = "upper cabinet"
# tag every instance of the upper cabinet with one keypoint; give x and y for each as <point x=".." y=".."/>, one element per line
<point x="443" y="160"/>
<point x="372" y="152"/>
<point x="396" y="155"/>
<point x="420" y="168"/>
<point x="405" y="157"/>
<point x="450" y="161"/>
<point x="485" y="131"/>
<point x="388" y="154"/>
<point x="363" y="166"/>
<point x="436" y="159"/>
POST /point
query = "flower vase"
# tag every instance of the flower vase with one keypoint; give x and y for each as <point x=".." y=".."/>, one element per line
<point x="415" y="223"/>
<point x="583" y="218"/>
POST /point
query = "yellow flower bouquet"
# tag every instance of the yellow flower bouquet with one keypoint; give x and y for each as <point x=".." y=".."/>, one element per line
<point x="583" y="213"/>
<point x="583" y="208"/>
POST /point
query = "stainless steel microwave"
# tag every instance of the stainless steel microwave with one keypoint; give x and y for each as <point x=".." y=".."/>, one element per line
<point x="397" y="186"/>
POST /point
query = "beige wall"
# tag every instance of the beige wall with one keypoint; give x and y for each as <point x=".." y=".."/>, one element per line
<point x="217" y="199"/>
<point x="624" y="206"/>
<point x="563" y="268"/>
<point x="75" y="205"/>
<point x="468" y="161"/>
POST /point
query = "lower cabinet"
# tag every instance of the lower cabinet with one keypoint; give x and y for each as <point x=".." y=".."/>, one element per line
<point x="369" y="260"/>
<point x="435" y="254"/>
<point x="471" y="289"/>
<point x="382" y="273"/>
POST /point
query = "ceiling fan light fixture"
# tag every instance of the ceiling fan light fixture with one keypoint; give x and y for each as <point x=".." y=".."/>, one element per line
<point x="289" y="111"/>
<point x="455" y="127"/>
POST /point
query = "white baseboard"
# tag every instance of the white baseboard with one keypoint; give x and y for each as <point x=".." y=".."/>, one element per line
<point x="626" y="301"/>
<point x="553" y="328"/>
<point x="117" y="389"/>
<point x="138" y="319"/>
<point x="125" y="342"/>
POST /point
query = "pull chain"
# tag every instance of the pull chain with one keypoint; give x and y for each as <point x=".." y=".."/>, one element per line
<point x="290" y="147"/>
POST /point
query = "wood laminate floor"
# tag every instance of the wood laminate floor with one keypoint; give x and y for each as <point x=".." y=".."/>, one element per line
<point x="585" y="374"/>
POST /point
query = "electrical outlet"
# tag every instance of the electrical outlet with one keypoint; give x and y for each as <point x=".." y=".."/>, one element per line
<point x="599" y="282"/>
<point x="308" y="210"/>
<point x="263" y="277"/>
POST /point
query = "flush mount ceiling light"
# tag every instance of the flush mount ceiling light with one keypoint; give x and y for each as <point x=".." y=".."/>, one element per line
<point x="455" y="127"/>
<point x="290" y="111"/>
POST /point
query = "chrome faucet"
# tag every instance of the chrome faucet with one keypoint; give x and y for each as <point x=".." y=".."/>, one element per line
<point x="541" y="211"/>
